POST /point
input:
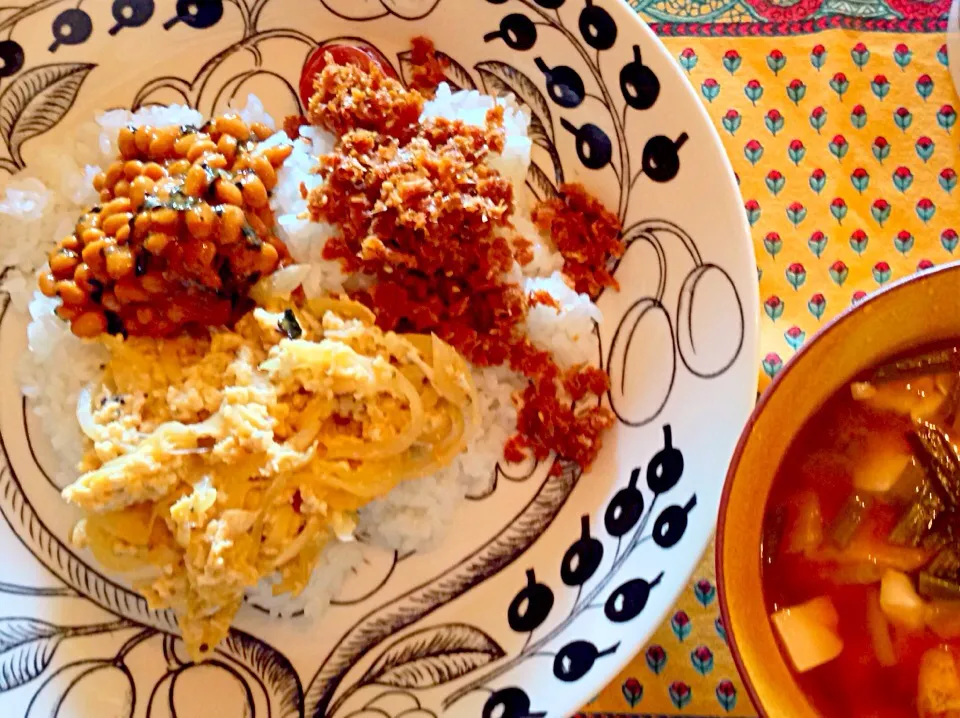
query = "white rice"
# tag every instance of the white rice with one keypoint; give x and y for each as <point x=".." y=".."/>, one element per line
<point x="39" y="208"/>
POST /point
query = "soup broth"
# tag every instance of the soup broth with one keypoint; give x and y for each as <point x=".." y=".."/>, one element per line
<point x="861" y="549"/>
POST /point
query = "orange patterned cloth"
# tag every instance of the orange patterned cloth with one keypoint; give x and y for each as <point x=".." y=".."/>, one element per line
<point x="847" y="155"/>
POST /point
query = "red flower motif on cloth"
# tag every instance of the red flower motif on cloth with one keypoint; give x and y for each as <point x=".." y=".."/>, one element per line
<point x="781" y="11"/>
<point x="920" y="9"/>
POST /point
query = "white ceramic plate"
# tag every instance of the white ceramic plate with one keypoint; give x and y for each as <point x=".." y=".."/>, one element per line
<point x="549" y="584"/>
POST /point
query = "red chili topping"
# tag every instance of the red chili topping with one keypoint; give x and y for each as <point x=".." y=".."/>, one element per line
<point x="429" y="69"/>
<point x="546" y="424"/>
<point x="421" y="211"/>
<point x="364" y="56"/>
<point x="586" y="380"/>
<point x="545" y="299"/>
<point x="292" y="125"/>
<point x="586" y="233"/>
<point x="350" y="97"/>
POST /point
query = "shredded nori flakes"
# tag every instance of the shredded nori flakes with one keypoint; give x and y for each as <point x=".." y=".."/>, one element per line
<point x="143" y="262"/>
<point x="115" y="324"/>
<point x="289" y="325"/>
<point x="250" y="234"/>
<point x="178" y="201"/>
<point x="96" y="296"/>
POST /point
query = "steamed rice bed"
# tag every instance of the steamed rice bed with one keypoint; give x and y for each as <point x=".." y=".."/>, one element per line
<point x="41" y="206"/>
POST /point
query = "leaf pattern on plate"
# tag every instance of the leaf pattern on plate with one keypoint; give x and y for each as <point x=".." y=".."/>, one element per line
<point x="37" y="100"/>
<point x="500" y="79"/>
<point x="433" y="656"/>
<point x="458" y="77"/>
<point x="26" y="648"/>
<point x="271" y="667"/>
<point x="542" y="186"/>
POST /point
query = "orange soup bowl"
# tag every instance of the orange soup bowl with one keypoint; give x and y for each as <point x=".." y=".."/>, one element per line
<point x="916" y="311"/>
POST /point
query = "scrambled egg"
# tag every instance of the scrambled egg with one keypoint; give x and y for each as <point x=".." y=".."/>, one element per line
<point x="214" y="463"/>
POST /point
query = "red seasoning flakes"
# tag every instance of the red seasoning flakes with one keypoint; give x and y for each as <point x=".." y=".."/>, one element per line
<point x="428" y="69"/>
<point x="422" y="212"/>
<point x="586" y="233"/>
<point x="586" y="380"/>
<point x="292" y="125"/>
<point x="545" y="423"/>
<point x="348" y="97"/>
<point x="545" y="299"/>
<point x="427" y="217"/>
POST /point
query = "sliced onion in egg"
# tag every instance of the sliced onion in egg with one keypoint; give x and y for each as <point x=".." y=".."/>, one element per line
<point x="280" y="284"/>
<point x="85" y="413"/>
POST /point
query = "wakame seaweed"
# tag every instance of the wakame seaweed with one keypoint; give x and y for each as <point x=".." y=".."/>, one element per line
<point x="940" y="458"/>
<point x="945" y="564"/>
<point x="931" y="586"/>
<point x="916" y="524"/>
<point x="773" y="534"/>
<point x="934" y="362"/>
<point x="931" y="517"/>
<point x="852" y="514"/>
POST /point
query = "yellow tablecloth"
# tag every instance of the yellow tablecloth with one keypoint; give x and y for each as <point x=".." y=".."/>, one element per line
<point x="839" y="120"/>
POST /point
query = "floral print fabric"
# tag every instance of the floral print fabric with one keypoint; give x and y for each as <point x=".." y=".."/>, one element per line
<point x="845" y="147"/>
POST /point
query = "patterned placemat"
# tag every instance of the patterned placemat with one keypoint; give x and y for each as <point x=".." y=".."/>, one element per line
<point x="838" y="116"/>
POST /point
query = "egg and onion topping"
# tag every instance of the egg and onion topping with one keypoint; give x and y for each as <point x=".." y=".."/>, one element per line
<point x="216" y="462"/>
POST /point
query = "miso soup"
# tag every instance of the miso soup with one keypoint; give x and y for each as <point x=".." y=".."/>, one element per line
<point x="861" y="549"/>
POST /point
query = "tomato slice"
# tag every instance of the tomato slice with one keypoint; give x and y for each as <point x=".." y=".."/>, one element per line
<point x="364" y="56"/>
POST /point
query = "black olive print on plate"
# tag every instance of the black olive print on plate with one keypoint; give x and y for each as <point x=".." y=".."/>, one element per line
<point x="625" y="509"/>
<point x="564" y="84"/>
<point x="530" y="608"/>
<point x="11" y="58"/>
<point x="511" y="702"/>
<point x="71" y="27"/>
<point x="597" y="27"/>
<point x="566" y="87"/>
<point x="198" y="14"/>
<point x="626" y="520"/>
<point x="575" y="660"/>
<point x="594" y="147"/>
<point x="131" y="13"/>
<point x="517" y="31"/>
<point x="629" y="600"/>
<point x="638" y="83"/>
<point x="583" y="557"/>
